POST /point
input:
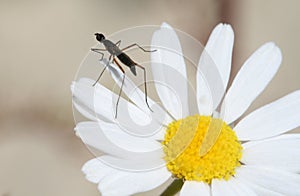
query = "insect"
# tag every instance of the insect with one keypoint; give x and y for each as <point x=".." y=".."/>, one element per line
<point x="117" y="53"/>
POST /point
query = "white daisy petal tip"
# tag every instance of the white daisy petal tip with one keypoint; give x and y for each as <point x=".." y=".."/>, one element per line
<point x="75" y="129"/>
<point x="223" y="29"/>
<point x="86" y="167"/>
<point x="165" y="25"/>
<point x="253" y="77"/>
<point x="214" y="68"/>
<point x="82" y="126"/>
<point x="276" y="51"/>
<point x="229" y="30"/>
<point x="224" y="26"/>
<point x="72" y="86"/>
<point x="169" y="71"/>
<point x="91" y="169"/>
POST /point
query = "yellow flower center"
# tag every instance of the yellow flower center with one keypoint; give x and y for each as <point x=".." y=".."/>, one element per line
<point x="182" y="143"/>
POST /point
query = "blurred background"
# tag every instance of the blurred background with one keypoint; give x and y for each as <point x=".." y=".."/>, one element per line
<point x="43" y="42"/>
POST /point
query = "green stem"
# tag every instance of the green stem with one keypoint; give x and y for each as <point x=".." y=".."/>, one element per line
<point x="173" y="188"/>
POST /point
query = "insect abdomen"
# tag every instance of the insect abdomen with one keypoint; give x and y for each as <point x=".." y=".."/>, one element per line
<point x="126" y="60"/>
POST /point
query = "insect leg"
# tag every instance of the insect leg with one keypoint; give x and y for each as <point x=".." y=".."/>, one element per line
<point x="101" y="74"/>
<point x="123" y="79"/>
<point x="145" y="84"/>
<point x="98" y="51"/>
<point x="118" y="43"/>
<point x="135" y="44"/>
<point x="111" y="56"/>
<point x="107" y="64"/>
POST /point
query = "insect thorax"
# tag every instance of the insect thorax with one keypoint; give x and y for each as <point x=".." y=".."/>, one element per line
<point x="111" y="47"/>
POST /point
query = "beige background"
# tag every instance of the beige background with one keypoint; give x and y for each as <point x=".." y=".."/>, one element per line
<point x="43" y="42"/>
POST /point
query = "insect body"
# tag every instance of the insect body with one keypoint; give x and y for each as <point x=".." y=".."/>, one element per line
<point x="125" y="59"/>
<point x="116" y="52"/>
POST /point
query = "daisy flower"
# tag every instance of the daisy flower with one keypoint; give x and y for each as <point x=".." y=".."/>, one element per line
<point x="213" y="151"/>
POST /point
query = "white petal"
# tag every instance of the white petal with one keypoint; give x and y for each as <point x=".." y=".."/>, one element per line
<point x="159" y="136"/>
<point x="221" y="187"/>
<point x="193" y="188"/>
<point x="169" y="71"/>
<point x="240" y="188"/>
<point x="214" y="69"/>
<point x="84" y="93"/>
<point x="137" y="96"/>
<point x="284" y="137"/>
<point x="129" y="142"/>
<point x="137" y="162"/>
<point x="110" y="140"/>
<point x="282" y="152"/>
<point x="114" y="134"/>
<point x="83" y="110"/>
<point x="95" y="170"/>
<point x="250" y="81"/>
<point x="117" y="182"/>
<point x="258" y="190"/>
<point x="219" y="47"/>
<point x="285" y="183"/>
<point x="128" y="183"/>
<point x="272" y="119"/>
<point x="102" y="101"/>
<point x="93" y="136"/>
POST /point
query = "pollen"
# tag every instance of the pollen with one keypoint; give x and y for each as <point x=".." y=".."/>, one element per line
<point x="182" y="143"/>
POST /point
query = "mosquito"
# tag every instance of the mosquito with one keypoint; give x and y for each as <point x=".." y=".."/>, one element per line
<point x="117" y="53"/>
